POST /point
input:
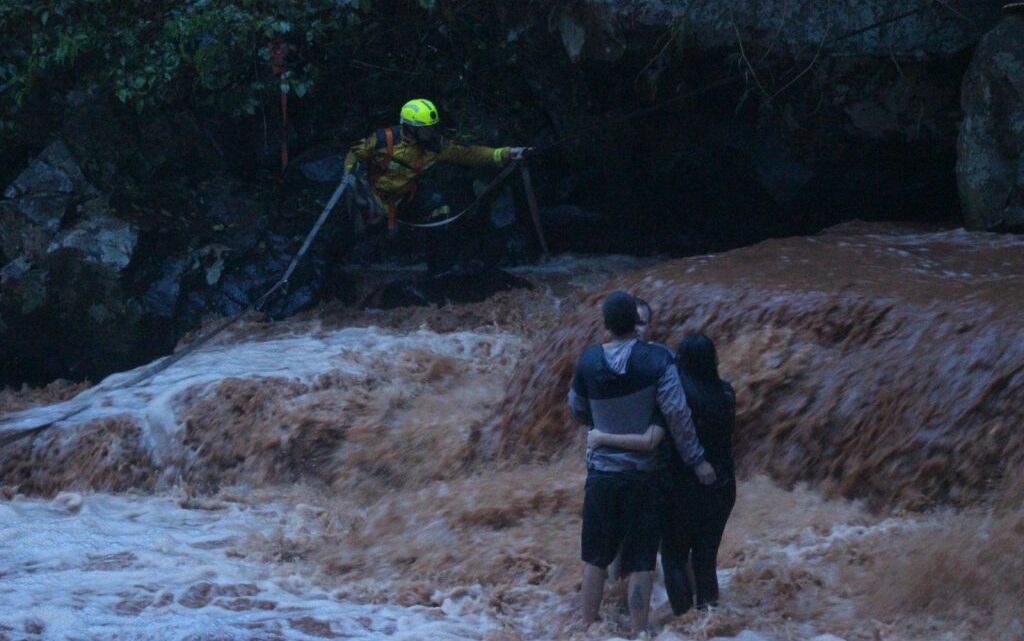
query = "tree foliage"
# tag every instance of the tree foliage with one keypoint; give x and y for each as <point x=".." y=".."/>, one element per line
<point x="347" y="66"/>
<point x="147" y="52"/>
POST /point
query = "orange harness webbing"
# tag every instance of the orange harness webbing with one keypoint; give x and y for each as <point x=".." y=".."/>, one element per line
<point x="417" y="169"/>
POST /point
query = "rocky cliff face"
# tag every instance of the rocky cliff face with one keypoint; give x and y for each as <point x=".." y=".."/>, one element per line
<point x="990" y="169"/>
<point x="98" y="273"/>
<point x="836" y="110"/>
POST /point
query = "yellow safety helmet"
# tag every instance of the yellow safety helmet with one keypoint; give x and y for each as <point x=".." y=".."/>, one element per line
<point x="419" y="113"/>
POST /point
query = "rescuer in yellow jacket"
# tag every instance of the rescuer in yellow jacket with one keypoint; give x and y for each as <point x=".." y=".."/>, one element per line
<point x="394" y="159"/>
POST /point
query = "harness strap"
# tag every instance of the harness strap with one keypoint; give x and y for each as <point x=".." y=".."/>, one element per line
<point x="386" y="141"/>
<point x="389" y="139"/>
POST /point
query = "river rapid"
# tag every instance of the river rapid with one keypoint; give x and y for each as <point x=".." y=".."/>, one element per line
<point x="412" y="473"/>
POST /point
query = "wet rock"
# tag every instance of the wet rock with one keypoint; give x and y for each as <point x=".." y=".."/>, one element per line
<point x="990" y="159"/>
<point x="25" y="288"/>
<point x="39" y="178"/>
<point x="163" y="294"/>
<point x="95" y="208"/>
<point x="55" y="170"/>
<point x="66" y="316"/>
<point x="43" y="192"/>
<point x="561" y="215"/>
<point x="20" y="237"/>
<point x="226" y="282"/>
<point x="941" y="28"/>
<point x="326" y="169"/>
<point x="587" y="31"/>
<point x="470" y="284"/>
<point x="44" y="210"/>
<point x="503" y="209"/>
<point x="36" y="207"/>
<point x="108" y="241"/>
<point x="14" y="270"/>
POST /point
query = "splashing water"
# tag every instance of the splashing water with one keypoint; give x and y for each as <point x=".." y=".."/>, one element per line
<point x="419" y="479"/>
<point x="103" y="567"/>
<point x="887" y="366"/>
<point x="148" y="434"/>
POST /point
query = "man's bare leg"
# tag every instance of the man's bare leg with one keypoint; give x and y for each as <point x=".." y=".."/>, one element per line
<point x="593" y="590"/>
<point x="640" y="584"/>
<point x="615" y="568"/>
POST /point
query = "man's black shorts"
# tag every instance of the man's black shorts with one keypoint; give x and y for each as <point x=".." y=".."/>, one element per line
<point x="622" y="509"/>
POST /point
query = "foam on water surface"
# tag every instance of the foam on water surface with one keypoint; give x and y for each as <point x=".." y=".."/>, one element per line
<point x="132" y="567"/>
<point x="153" y="403"/>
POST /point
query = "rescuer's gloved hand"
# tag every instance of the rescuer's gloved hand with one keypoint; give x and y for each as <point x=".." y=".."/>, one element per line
<point x="518" y="153"/>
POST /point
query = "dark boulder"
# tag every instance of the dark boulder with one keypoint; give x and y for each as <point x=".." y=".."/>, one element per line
<point x="64" y="308"/>
<point x="467" y="284"/>
<point x="990" y="161"/>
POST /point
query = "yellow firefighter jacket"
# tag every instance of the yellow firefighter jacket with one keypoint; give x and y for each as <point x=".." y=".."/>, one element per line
<point x="394" y="162"/>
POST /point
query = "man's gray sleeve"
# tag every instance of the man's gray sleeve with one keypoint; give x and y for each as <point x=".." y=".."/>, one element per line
<point x="578" y="405"/>
<point x="672" y="402"/>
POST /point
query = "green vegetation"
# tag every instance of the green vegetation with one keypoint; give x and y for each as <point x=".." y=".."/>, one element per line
<point x="147" y="52"/>
<point x="226" y="60"/>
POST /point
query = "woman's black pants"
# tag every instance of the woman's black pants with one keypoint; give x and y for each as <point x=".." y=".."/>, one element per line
<point x="693" y="526"/>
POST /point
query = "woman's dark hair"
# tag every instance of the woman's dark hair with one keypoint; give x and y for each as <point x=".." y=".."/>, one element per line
<point x="705" y="394"/>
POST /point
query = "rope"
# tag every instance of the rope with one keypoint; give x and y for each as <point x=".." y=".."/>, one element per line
<point x="491" y="186"/>
<point x="170" y="360"/>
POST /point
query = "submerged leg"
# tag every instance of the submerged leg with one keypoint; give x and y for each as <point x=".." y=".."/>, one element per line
<point x="639" y="600"/>
<point x="593" y="590"/>
<point x="718" y="504"/>
<point x="676" y="543"/>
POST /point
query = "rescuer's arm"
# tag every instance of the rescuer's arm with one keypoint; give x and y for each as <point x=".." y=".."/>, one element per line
<point x="362" y="151"/>
<point x="474" y="155"/>
<point x="480" y="156"/>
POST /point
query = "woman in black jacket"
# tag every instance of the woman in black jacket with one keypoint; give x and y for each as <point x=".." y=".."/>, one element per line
<point x="696" y="517"/>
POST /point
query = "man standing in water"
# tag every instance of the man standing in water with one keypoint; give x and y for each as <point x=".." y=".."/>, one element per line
<point x="618" y="388"/>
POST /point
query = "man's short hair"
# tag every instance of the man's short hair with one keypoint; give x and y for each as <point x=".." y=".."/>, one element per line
<point x="619" y="310"/>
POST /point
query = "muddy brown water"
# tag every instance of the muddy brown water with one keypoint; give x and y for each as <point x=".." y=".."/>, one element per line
<point x="878" y="362"/>
<point x="431" y="455"/>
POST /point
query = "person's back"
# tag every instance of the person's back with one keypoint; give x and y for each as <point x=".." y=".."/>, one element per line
<point x="620" y="382"/>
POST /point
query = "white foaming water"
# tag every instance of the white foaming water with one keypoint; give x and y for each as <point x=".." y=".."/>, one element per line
<point x="152" y="403"/>
<point x="130" y="567"/>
